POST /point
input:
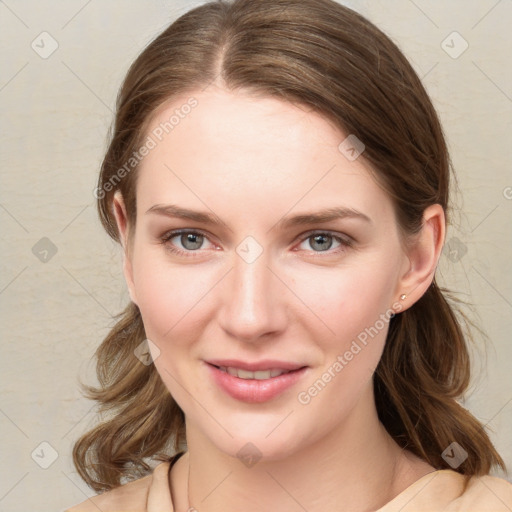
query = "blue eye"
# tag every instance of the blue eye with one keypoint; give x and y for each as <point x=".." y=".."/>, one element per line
<point x="320" y="243"/>
<point x="189" y="242"/>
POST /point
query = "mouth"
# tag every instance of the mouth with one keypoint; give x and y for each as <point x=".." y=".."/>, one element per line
<point x="257" y="375"/>
<point x="257" y="385"/>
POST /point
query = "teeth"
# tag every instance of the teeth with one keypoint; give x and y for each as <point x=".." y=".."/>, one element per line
<point x="258" y="375"/>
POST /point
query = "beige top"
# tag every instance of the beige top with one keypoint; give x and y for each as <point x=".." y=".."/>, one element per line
<point x="439" y="491"/>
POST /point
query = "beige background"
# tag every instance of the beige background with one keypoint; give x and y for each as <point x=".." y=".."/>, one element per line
<point x="56" y="112"/>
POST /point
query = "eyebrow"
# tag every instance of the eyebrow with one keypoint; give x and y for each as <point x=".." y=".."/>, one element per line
<point x="325" y="215"/>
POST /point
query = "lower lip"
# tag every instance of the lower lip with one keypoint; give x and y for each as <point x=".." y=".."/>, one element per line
<point x="254" y="390"/>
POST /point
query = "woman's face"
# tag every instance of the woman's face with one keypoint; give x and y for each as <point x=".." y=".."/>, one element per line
<point x="252" y="279"/>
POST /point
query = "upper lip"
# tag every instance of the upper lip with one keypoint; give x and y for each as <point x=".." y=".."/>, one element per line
<point x="266" y="364"/>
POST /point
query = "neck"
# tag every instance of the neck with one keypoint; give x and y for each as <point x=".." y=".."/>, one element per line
<point x="357" y="467"/>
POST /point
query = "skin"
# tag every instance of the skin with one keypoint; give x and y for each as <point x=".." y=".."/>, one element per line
<point x="252" y="161"/>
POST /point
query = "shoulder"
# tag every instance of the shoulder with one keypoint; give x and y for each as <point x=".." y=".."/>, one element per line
<point x="130" y="497"/>
<point x="488" y="493"/>
<point x="444" y="491"/>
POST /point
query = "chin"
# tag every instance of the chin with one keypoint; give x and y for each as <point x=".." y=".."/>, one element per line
<point x="253" y="450"/>
<point x="258" y="446"/>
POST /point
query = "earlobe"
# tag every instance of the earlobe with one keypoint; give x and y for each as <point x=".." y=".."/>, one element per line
<point x="423" y="255"/>
<point x="121" y="217"/>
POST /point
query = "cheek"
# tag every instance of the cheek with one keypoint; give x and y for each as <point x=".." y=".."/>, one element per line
<point x="348" y="299"/>
<point x="356" y="307"/>
<point x="354" y="302"/>
<point x="172" y="306"/>
<point x="169" y="297"/>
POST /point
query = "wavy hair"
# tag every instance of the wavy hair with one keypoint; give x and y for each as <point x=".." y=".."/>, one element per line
<point x="319" y="54"/>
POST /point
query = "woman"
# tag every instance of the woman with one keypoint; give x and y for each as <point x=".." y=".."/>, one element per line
<point x="278" y="179"/>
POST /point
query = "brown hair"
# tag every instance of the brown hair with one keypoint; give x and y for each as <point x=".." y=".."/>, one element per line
<point x="325" y="56"/>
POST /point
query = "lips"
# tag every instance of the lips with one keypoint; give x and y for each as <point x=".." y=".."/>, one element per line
<point x="255" y="382"/>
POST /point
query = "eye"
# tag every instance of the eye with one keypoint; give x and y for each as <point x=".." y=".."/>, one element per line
<point x="323" y="241"/>
<point x="184" y="242"/>
<point x="190" y="242"/>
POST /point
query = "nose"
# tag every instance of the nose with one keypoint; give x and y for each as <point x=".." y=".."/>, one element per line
<point x="253" y="301"/>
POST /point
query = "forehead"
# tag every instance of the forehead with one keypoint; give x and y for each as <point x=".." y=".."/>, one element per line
<point x="235" y="149"/>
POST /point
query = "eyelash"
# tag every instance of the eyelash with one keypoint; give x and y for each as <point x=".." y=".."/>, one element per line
<point x="345" y="242"/>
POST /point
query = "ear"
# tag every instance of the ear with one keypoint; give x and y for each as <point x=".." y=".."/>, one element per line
<point x="423" y="253"/>
<point x="123" y="229"/>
